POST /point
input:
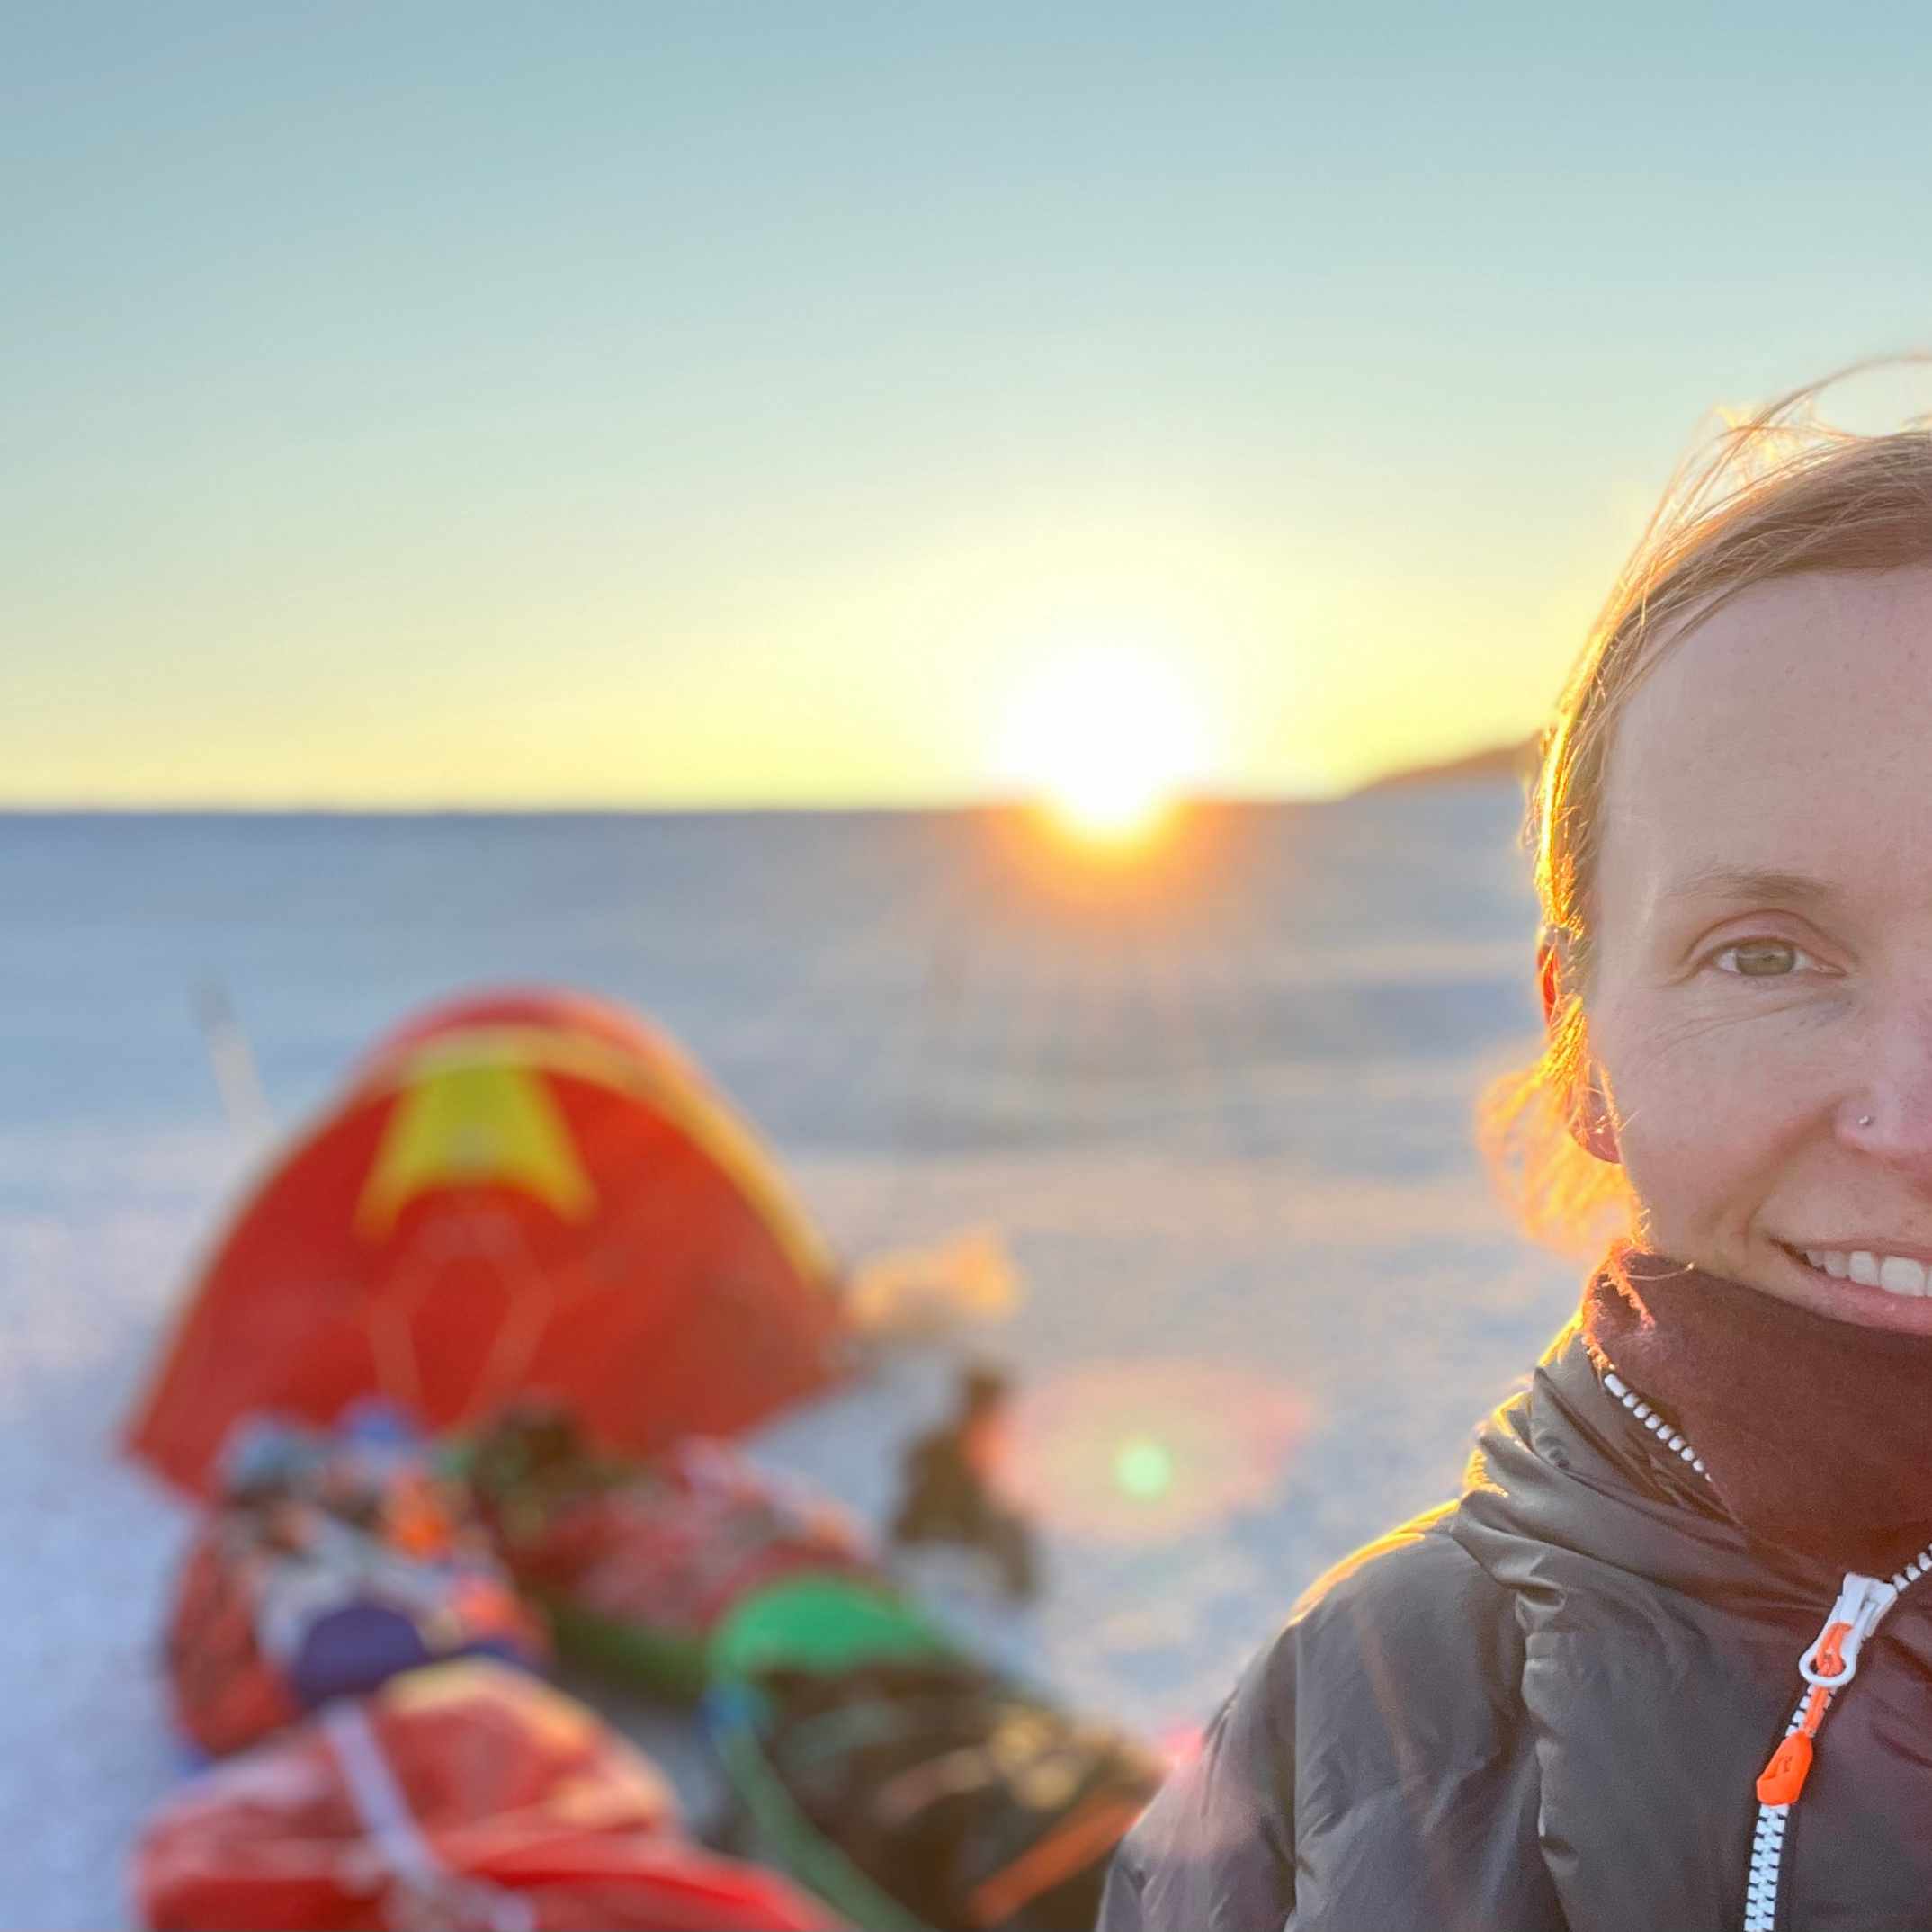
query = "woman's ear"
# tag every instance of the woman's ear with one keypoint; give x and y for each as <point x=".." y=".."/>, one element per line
<point x="1547" y="983"/>
<point x="1587" y="1110"/>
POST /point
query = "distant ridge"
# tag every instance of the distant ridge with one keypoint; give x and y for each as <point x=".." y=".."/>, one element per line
<point x="1516" y="760"/>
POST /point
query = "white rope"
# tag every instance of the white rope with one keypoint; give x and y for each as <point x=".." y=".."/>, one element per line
<point x="433" y="1896"/>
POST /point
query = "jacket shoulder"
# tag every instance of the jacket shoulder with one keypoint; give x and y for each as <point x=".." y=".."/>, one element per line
<point x="1411" y="1594"/>
<point x="1383" y="1713"/>
<point x="1410" y="1661"/>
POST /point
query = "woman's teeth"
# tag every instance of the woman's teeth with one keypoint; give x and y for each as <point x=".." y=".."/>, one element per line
<point x="1895" y="1274"/>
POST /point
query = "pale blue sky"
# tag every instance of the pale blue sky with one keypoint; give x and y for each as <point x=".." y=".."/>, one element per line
<point x="654" y="403"/>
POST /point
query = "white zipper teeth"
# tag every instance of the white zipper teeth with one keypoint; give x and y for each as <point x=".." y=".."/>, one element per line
<point x="1768" y="1838"/>
<point x="1767" y="1858"/>
<point x="1655" y="1423"/>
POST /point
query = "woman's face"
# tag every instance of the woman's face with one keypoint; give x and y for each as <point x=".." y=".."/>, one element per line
<point x="1760" y="1001"/>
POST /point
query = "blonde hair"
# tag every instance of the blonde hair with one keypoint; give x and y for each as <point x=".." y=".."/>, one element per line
<point x="1775" y="495"/>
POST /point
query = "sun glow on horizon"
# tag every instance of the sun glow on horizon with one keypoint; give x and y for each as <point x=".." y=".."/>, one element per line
<point x="1106" y="739"/>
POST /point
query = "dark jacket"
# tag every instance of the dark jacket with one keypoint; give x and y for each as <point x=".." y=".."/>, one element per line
<point x="1545" y="1708"/>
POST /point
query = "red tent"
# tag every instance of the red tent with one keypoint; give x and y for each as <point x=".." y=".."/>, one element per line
<point x="532" y="1193"/>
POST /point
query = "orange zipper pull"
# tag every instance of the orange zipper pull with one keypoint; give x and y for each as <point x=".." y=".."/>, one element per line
<point x="1829" y="1661"/>
<point x="1781" y="1780"/>
<point x="1827" y="1667"/>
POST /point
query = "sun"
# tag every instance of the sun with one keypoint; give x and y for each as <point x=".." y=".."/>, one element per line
<point x="1108" y="806"/>
<point x="1107" y="739"/>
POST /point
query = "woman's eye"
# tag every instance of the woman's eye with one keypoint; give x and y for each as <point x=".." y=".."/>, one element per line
<point x="1761" y="959"/>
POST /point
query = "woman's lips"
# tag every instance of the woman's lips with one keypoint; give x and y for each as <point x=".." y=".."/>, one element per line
<point x="1895" y="1274"/>
<point x="1852" y="1284"/>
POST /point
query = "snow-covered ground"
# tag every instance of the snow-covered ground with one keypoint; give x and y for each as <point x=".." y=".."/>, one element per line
<point x="1224" y="1132"/>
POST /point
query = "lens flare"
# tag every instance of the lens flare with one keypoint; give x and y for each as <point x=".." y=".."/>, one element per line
<point x="1143" y="1468"/>
<point x="1137" y="1452"/>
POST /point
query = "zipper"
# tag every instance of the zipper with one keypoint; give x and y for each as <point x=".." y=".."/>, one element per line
<point x="1826" y="1667"/>
<point x="1654" y="1422"/>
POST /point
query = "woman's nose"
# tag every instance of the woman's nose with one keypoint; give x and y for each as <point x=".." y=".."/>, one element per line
<point x="1888" y="1116"/>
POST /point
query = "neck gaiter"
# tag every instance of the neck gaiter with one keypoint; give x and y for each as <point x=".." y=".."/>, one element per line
<point x="1815" y="1434"/>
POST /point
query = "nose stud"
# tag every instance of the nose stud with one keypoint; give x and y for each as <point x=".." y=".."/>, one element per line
<point x="1864" y="1120"/>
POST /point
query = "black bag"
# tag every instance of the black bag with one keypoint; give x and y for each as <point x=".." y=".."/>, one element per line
<point x="971" y="1802"/>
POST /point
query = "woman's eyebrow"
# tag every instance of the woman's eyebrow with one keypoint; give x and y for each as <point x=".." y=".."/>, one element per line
<point x="1752" y="882"/>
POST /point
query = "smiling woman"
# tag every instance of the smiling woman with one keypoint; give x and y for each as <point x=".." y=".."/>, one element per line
<point x="1810" y="533"/>
<point x="1756" y="1014"/>
<point x="1601" y="1644"/>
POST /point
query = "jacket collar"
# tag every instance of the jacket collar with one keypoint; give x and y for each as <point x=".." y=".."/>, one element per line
<point x="1563" y="1466"/>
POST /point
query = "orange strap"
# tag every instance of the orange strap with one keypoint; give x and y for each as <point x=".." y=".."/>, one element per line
<point x="1070" y="1846"/>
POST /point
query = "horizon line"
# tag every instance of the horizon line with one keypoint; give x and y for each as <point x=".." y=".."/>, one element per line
<point x="633" y="809"/>
<point x="1511" y="758"/>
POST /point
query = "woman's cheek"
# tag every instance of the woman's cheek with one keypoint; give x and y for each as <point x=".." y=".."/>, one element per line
<point x="1707" y="1108"/>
